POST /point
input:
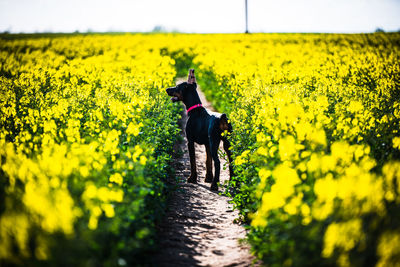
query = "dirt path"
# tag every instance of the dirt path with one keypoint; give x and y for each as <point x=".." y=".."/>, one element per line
<point x="198" y="229"/>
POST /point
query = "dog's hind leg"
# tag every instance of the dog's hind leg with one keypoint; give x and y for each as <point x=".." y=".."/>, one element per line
<point x="209" y="174"/>
<point x="192" y="156"/>
<point x="227" y="146"/>
<point x="225" y="126"/>
<point x="217" y="165"/>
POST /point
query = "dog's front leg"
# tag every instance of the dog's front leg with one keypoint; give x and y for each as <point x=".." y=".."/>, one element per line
<point x="209" y="174"/>
<point x="193" y="171"/>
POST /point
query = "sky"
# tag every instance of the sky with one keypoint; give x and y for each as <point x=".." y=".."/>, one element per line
<point x="201" y="16"/>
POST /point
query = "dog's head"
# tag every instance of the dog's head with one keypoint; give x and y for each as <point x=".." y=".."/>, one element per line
<point x="182" y="91"/>
<point x="224" y="124"/>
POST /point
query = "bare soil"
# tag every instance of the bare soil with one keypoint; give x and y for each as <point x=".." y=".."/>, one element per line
<point x="199" y="228"/>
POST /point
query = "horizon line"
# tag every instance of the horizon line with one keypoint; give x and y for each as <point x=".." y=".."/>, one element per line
<point x="377" y="30"/>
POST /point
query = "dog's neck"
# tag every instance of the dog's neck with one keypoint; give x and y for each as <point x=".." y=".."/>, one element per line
<point x="193" y="107"/>
<point x="192" y="100"/>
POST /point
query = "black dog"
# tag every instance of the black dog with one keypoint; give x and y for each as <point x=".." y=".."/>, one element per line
<point x="203" y="127"/>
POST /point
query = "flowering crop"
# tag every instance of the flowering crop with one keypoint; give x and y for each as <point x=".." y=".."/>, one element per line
<point x="85" y="140"/>
<point x="86" y="133"/>
<point x="316" y="123"/>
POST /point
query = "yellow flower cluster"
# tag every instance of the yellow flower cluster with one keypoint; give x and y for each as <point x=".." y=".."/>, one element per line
<point x="316" y="139"/>
<point x="317" y="118"/>
<point x="72" y="113"/>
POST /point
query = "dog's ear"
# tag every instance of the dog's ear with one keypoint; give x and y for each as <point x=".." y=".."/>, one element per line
<point x="191" y="77"/>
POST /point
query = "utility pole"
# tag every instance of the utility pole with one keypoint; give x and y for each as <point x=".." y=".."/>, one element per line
<point x="247" y="24"/>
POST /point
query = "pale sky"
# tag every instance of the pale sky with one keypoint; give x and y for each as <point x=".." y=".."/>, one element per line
<point x="201" y="16"/>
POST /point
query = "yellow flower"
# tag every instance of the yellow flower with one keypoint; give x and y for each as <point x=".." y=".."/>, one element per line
<point x="264" y="174"/>
<point x="116" y="178"/>
<point x="344" y="235"/>
<point x="134" y="129"/>
<point x="287" y="147"/>
<point x="262" y="151"/>
<point x="143" y="160"/>
<point x="388" y="249"/>
<point x="355" y="106"/>
<point x="108" y="210"/>
<point x="396" y="142"/>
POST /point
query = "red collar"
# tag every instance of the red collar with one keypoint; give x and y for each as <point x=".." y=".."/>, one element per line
<point x="193" y="107"/>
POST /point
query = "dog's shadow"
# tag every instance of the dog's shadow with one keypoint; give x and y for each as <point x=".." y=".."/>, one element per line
<point x="207" y="187"/>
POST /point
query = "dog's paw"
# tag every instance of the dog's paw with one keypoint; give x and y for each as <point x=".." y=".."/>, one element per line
<point x="208" y="179"/>
<point x="192" y="180"/>
<point x="214" y="187"/>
